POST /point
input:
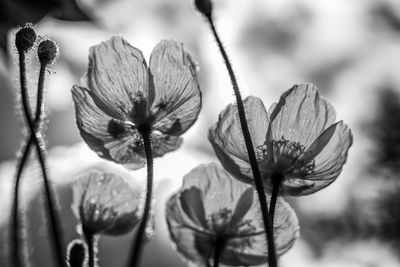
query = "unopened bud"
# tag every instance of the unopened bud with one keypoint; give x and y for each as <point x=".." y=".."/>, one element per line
<point x="47" y="52"/>
<point x="25" y="38"/>
<point x="204" y="6"/>
<point x="77" y="253"/>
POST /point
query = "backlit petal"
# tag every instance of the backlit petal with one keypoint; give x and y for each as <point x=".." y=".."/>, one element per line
<point x="328" y="164"/>
<point x="285" y="224"/>
<point x="187" y="238"/>
<point x="301" y="115"/>
<point x="163" y="143"/>
<point x="117" y="74"/>
<point x="105" y="135"/>
<point x="177" y="97"/>
<point x="105" y="203"/>
<point x="227" y="138"/>
<point x="214" y="182"/>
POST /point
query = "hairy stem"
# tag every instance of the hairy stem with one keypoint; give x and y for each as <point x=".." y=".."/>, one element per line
<point x="89" y="237"/>
<point x="137" y="246"/>
<point x="272" y="260"/>
<point x="35" y="138"/>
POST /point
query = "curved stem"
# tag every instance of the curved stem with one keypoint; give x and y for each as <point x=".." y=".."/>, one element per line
<point x="39" y="98"/>
<point x="272" y="260"/>
<point x="219" y="247"/>
<point x="15" y="223"/>
<point x="137" y="246"/>
<point x="276" y="180"/>
<point x="89" y="237"/>
<point x="35" y="138"/>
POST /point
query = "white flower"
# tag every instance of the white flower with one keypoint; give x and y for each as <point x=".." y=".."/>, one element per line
<point x="297" y="139"/>
<point x="214" y="207"/>
<point x="120" y="95"/>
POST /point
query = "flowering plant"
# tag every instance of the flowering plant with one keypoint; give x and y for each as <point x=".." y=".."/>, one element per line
<point x="120" y="97"/>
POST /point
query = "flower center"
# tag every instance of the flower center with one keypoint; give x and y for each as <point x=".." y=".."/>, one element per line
<point x="220" y="220"/>
<point x="284" y="156"/>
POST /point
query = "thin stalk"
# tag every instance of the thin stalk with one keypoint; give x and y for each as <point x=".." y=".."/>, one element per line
<point x="219" y="247"/>
<point x="54" y="221"/>
<point x="272" y="260"/>
<point x="137" y="246"/>
<point x="89" y="237"/>
<point x="15" y="223"/>
<point x="39" y="98"/>
<point x="276" y="180"/>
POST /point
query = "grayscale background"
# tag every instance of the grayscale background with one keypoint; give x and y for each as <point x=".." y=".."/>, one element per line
<point x="349" y="49"/>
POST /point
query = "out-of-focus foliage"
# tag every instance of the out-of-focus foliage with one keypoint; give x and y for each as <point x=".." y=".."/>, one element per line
<point x="14" y="13"/>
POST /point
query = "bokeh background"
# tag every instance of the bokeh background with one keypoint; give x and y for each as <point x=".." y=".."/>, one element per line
<point x="348" y="49"/>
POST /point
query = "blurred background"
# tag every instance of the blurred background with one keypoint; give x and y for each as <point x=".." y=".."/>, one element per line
<point x="349" y="49"/>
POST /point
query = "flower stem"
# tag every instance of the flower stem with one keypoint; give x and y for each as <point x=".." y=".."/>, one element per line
<point x="137" y="246"/>
<point x="219" y="247"/>
<point x="276" y="180"/>
<point x="89" y="237"/>
<point x="15" y="223"/>
<point x="272" y="261"/>
<point x="36" y="139"/>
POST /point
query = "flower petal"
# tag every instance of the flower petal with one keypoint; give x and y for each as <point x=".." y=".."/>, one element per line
<point x="328" y="164"/>
<point x="189" y="241"/>
<point x="301" y="115"/>
<point x="105" y="203"/>
<point x="104" y="134"/>
<point x="242" y="207"/>
<point x="227" y="138"/>
<point x="215" y="183"/>
<point x="163" y="143"/>
<point x="117" y="74"/>
<point x="177" y="97"/>
<point x="192" y="204"/>
<point x="249" y="247"/>
<point x="316" y="147"/>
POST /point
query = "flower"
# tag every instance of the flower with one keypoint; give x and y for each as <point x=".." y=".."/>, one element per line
<point x="297" y="139"/>
<point x="104" y="203"/>
<point x="120" y="95"/>
<point x="214" y="207"/>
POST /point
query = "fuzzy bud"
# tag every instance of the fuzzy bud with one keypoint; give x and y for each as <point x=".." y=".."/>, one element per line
<point x="47" y="52"/>
<point x="25" y="39"/>
<point x="204" y="6"/>
<point x="77" y="253"/>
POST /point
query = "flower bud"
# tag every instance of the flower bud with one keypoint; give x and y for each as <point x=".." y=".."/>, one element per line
<point x="47" y="52"/>
<point x="77" y="253"/>
<point x="25" y="38"/>
<point x="204" y="6"/>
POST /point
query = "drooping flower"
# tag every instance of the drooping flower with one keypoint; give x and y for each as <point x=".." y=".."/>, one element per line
<point x="298" y="139"/>
<point x="213" y="207"/>
<point x="104" y="203"/>
<point x="120" y="95"/>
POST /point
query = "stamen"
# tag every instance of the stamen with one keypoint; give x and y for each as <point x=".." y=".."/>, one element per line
<point x="283" y="158"/>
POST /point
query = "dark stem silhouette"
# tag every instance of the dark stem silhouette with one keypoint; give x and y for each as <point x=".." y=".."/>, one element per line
<point x="138" y="243"/>
<point x="36" y="139"/>
<point x="276" y="180"/>
<point x="272" y="260"/>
